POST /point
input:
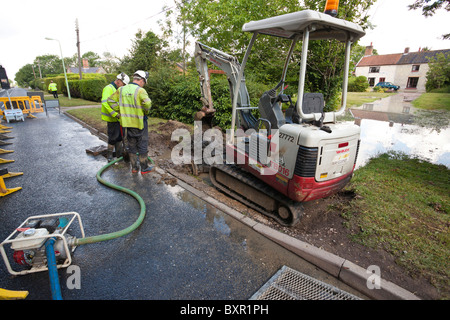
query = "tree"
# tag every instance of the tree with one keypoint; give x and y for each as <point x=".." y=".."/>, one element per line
<point x="24" y="76"/>
<point x="44" y="65"/>
<point x="438" y="74"/>
<point x="49" y="64"/>
<point x="145" y="53"/>
<point x="429" y="8"/>
<point x="92" y="58"/>
<point x="219" y="24"/>
<point x="178" y="13"/>
<point x="110" y="63"/>
<point x="357" y="54"/>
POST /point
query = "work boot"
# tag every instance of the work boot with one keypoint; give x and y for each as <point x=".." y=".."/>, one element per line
<point x="134" y="163"/>
<point x="145" y="168"/>
<point x="109" y="152"/>
<point x="119" y="149"/>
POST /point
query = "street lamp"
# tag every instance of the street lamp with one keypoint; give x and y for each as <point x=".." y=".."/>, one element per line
<point x="64" y="67"/>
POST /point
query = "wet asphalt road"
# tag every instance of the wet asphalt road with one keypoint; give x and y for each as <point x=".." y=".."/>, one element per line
<point x="185" y="248"/>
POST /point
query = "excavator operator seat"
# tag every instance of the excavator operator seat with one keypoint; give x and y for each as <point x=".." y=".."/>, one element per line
<point x="312" y="103"/>
<point x="271" y="110"/>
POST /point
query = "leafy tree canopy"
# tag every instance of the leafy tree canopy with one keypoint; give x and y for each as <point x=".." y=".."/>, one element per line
<point x="145" y="53"/>
<point x="429" y="8"/>
<point x="219" y="24"/>
<point x="438" y="74"/>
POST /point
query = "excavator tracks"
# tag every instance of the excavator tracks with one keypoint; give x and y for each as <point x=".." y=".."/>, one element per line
<point x="243" y="186"/>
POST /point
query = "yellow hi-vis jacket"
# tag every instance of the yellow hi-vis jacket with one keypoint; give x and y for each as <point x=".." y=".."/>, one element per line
<point x="108" y="114"/>
<point x="52" y="87"/>
<point x="133" y="104"/>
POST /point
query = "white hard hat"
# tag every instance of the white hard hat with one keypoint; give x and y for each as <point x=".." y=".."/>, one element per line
<point x="122" y="76"/>
<point x="142" y="74"/>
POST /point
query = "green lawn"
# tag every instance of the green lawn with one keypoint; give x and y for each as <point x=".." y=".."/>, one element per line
<point x="91" y="116"/>
<point x="433" y="101"/>
<point x="403" y="206"/>
<point x="73" y="102"/>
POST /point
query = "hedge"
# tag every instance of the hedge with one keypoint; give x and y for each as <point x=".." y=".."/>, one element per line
<point x="177" y="97"/>
<point x="89" y="88"/>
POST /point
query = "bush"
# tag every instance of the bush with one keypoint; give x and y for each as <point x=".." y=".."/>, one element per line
<point x="60" y="81"/>
<point x="438" y="74"/>
<point x="358" y="84"/>
<point x="88" y="89"/>
<point x="441" y="90"/>
<point x="379" y="89"/>
<point x="177" y="97"/>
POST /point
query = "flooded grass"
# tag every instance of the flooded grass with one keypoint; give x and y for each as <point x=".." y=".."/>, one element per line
<point x="435" y="119"/>
<point x="360" y="98"/>
<point x="433" y="110"/>
<point x="402" y="205"/>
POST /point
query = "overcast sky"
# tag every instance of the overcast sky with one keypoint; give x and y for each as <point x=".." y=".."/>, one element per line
<point x="109" y="26"/>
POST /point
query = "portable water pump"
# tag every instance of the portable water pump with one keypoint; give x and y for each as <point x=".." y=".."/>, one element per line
<point x="43" y="243"/>
<point x="28" y="242"/>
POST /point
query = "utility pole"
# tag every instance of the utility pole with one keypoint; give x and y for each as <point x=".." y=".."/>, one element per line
<point x="34" y="73"/>
<point x="78" y="47"/>
<point x="39" y="65"/>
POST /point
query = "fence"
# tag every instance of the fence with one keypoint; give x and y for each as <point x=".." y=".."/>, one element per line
<point x="28" y="105"/>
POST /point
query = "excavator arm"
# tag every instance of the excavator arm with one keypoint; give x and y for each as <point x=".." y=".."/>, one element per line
<point x="230" y="66"/>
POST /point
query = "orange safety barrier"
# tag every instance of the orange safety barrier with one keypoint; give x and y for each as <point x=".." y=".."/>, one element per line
<point x="26" y="104"/>
<point x="37" y="104"/>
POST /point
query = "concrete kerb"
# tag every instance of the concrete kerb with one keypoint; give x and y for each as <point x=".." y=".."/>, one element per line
<point x="344" y="270"/>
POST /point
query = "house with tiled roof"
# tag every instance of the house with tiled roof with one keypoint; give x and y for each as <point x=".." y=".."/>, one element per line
<point x="86" y="68"/>
<point x="407" y="70"/>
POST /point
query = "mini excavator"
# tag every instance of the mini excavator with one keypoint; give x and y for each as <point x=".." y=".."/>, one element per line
<point x="301" y="154"/>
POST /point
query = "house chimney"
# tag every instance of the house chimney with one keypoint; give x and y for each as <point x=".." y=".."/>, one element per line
<point x="369" y="50"/>
<point x="85" y="63"/>
<point x="406" y="50"/>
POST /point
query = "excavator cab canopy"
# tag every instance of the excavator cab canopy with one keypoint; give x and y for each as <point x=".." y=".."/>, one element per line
<point x="321" y="26"/>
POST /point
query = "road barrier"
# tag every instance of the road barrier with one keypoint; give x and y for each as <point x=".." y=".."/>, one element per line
<point x="27" y="105"/>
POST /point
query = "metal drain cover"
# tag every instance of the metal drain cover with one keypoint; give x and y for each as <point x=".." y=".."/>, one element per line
<point x="289" y="284"/>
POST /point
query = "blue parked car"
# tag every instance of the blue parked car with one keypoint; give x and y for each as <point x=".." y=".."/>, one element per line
<point x="387" y="85"/>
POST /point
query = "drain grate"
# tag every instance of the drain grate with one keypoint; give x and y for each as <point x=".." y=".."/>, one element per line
<point x="289" y="284"/>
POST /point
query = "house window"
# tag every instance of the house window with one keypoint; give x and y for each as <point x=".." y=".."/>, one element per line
<point x="374" y="69"/>
<point x="368" y="106"/>
<point x="382" y="80"/>
<point x="415" y="68"/>
<point x="412" y="82"/>
<point x="371" y="82"/>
